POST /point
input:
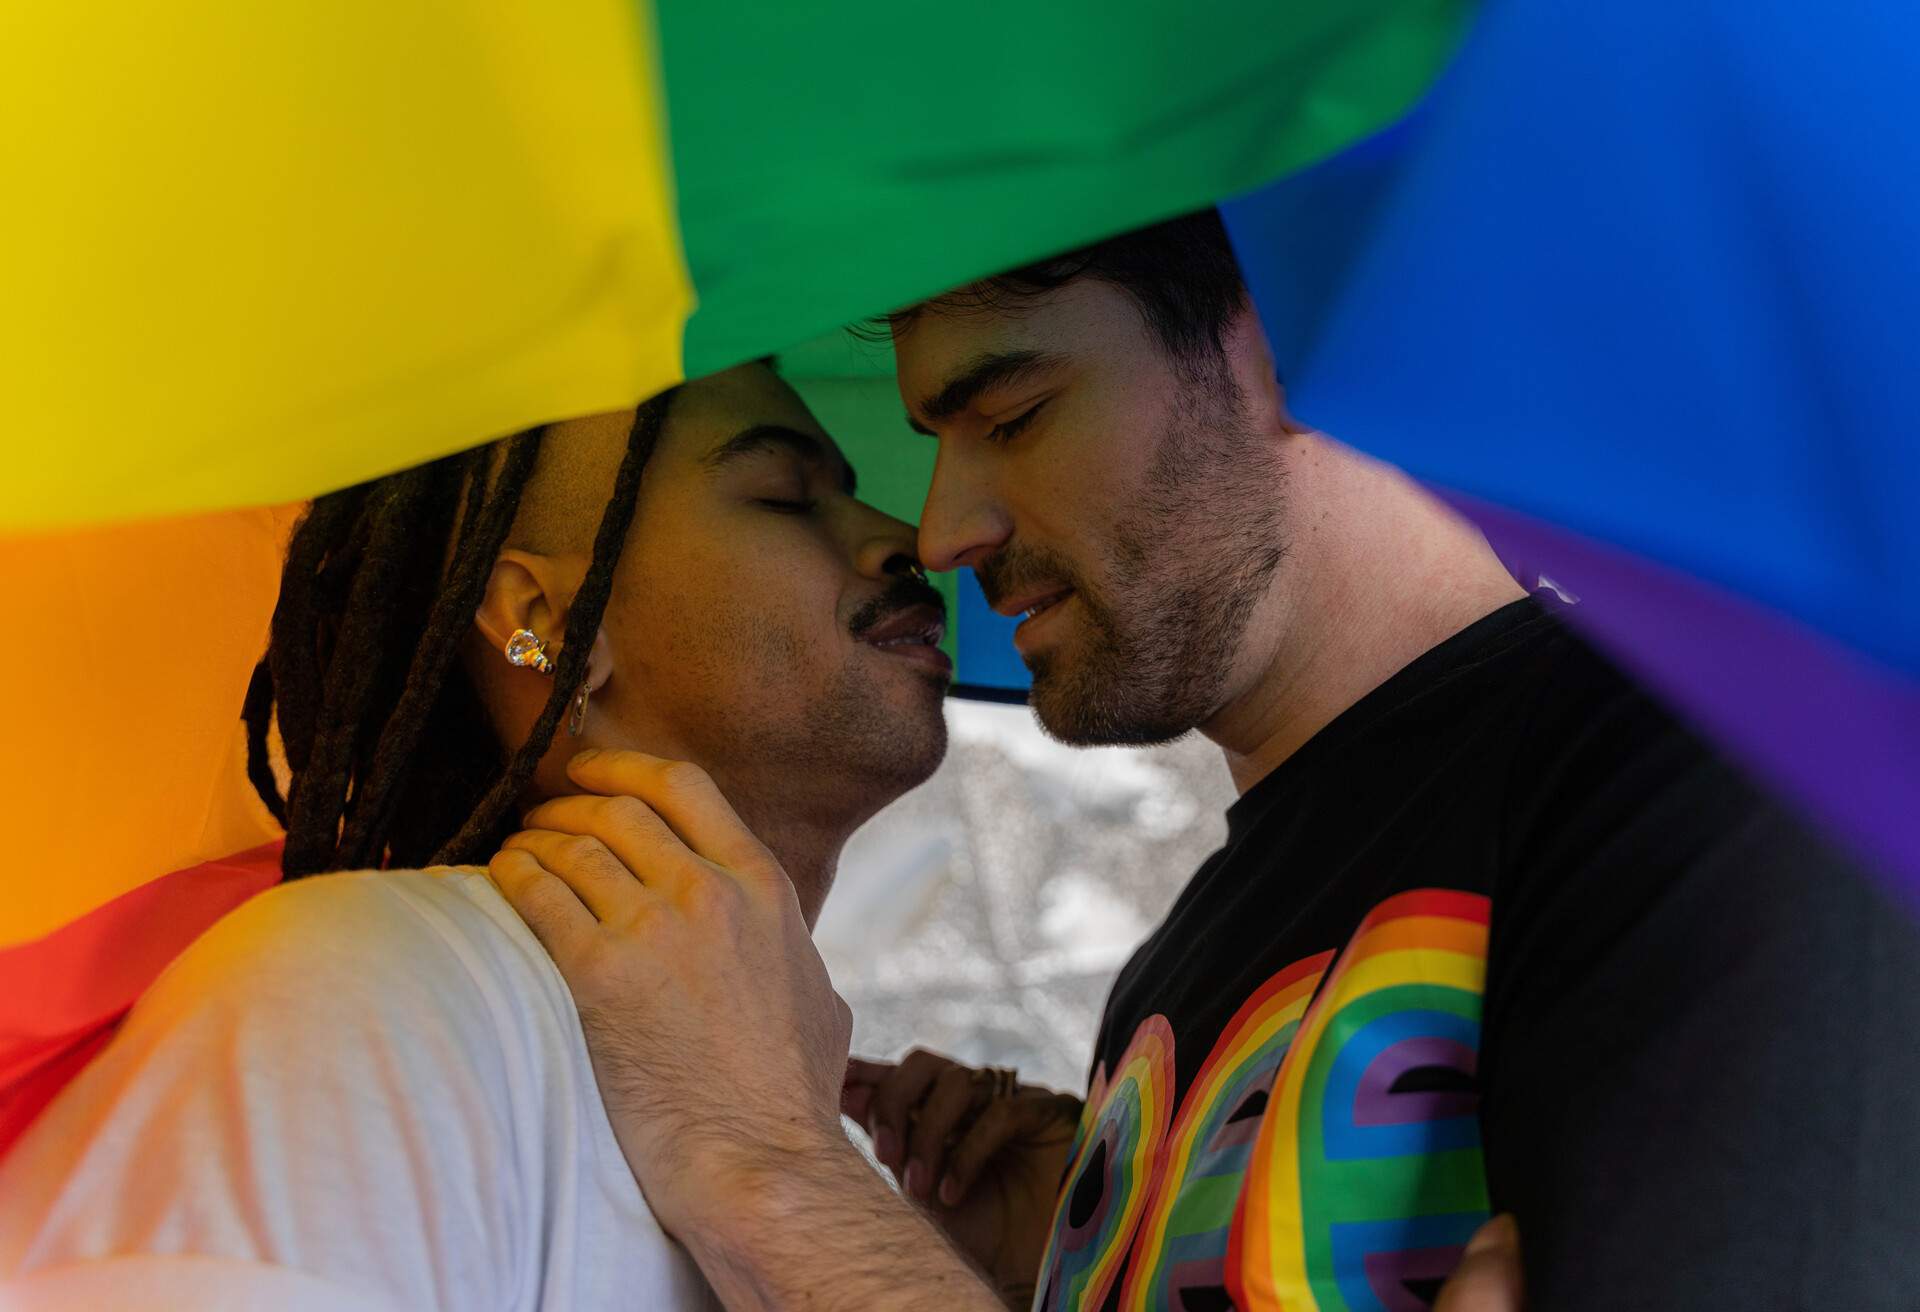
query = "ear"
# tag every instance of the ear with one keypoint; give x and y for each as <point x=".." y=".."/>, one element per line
<point x="522" y="593"/>
<point x="530" y="591"/>
<point x="1289" y="425"/>
<point x="1250" y="356"/>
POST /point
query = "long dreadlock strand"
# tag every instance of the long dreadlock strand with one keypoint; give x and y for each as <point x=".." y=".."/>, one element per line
<point x="484" y="528"/>
<point x="407" y="607"/>
<point x="319" y="794"/>
<point x="293" y="660"/>
<point x="256" y="713"/>
<point x="476" y="837"/>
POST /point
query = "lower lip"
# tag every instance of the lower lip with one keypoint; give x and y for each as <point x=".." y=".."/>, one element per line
<point x="1030" y="630"/>
<point x="920" y="654"/>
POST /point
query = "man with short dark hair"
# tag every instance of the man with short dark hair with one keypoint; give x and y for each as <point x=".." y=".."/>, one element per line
<point x="1491" y="930"/>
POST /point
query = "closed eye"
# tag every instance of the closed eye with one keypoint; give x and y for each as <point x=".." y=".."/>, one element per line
<point x="1012" y="428"/>
<point x="788" y="507"/>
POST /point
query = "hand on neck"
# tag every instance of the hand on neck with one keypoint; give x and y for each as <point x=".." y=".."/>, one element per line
<point x="1378" y="572"/>
<point x="807" y="846"/>
<point x="804" y="833"/>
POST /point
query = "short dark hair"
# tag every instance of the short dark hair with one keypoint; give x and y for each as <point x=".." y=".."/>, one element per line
<point x="1182" y="273"/>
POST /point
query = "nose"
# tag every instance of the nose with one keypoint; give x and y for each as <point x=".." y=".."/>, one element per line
<point x="883" y="546"/>
<point x="961" y="523"/>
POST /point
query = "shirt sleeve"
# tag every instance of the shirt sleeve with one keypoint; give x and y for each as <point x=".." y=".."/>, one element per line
<point x="315" y="1092"/>
<point x="1702" y="1033"/>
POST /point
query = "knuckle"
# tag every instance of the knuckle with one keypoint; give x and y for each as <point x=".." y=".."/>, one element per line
<point x="640" y="918"/>
<point x="893" y="1098"/>
<point x="996" y="1118"/>
<point x="1002" y="1123"/>
<point x="683" y="777"/>
<point x="579" y="849"/>
<point x="627" y="812"/>
<point x="547" y="897"/>
<point x="967" y="1160"/>
<point x="763" y="865"/>
<point x="709" y="898"/>
<point x="953" y="1084"/>
<point x="598" y="973"/>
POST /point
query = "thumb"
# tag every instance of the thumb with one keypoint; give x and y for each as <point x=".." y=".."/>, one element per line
<point x="1489" y="1278"/>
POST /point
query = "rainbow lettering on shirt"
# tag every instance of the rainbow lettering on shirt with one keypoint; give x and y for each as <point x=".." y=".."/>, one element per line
<point x="1182" y="1244"/>
<point x="1366" y="1179"/>
<point x="1106" y="1187"/>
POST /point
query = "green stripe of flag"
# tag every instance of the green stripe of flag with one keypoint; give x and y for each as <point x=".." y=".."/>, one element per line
<point x="837" y="158"/>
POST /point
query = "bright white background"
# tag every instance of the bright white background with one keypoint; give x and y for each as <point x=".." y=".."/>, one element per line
<point x="985" y="914"/>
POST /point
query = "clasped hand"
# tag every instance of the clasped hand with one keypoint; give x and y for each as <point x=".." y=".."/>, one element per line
<point x="716" y="1036"/>
<point x="721" y="1049"/>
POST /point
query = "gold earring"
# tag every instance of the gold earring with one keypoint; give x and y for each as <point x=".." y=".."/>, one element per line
<point x="577" y="719"/>
<point x="528" y="649"/>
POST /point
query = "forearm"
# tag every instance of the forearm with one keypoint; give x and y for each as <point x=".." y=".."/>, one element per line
<point x="820" y="1229"/>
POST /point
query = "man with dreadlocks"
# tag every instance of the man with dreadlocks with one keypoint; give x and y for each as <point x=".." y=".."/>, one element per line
<point x="372" y="1088"/>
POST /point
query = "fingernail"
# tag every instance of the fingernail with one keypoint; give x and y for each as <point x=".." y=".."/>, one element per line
<point x="950" y="1192"/>
<point x="581" y="758"/>
<point x="916" y="1181"/>
<point x="885" y="1145"/>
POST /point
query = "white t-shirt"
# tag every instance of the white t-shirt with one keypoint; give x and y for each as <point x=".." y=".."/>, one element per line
<point x="361" y="1090"/>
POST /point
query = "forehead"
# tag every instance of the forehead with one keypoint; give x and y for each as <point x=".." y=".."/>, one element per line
<point x="709" y="412"/>
<point x="1085" y="318"/>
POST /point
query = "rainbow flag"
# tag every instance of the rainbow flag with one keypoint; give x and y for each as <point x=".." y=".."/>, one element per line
<point x="265" y="250"/>
<point x="1629" y="284"/>
<point x="1632" y="287"/>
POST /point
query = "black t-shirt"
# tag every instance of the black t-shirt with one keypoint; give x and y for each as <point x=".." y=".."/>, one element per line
<point x="1505" y="936"/>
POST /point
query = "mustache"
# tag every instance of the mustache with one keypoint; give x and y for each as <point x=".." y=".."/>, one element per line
<point x="904" y="593"/>
<point x="1016" y="569"/>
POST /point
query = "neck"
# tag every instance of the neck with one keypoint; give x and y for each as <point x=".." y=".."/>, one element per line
<point x="1382" y="574"/>
<point x="807" y="845"/>
<point x="804" y="834"/>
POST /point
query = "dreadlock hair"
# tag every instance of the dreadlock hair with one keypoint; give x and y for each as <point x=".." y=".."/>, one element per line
<point x="393" y="758"/>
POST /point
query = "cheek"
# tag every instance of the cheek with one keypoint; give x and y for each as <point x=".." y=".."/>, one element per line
<point x="735" y="623"/>
<point x="1091" y="458"/>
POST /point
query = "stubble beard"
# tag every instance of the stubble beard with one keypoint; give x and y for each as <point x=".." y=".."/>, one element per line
<point x="1186" y="567"/>
<point x="822" y="749"/>
<point x="858" y="744"/>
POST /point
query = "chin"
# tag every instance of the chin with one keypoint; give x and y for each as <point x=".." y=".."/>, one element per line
<point x="1076" y="706"/>
<point x="870" y="741"/>
<point x="907" y="758"/>
<point x="914" y="751"/>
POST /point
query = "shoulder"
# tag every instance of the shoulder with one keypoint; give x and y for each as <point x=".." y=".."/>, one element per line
<point x="364" y="930"/>
<point x="367" y="951"/>
<point x="418" y="906"/>
<point x="1627" y="835"/>
<point x="386" y="1064"/>
<point x="1590" y="741"/>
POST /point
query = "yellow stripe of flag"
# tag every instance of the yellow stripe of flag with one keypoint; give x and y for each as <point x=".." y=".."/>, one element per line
<point x="252" y="251"/>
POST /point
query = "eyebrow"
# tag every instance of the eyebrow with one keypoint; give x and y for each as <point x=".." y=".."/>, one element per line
<point x="979" y="375"/>
<point x="778" y="437"/>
